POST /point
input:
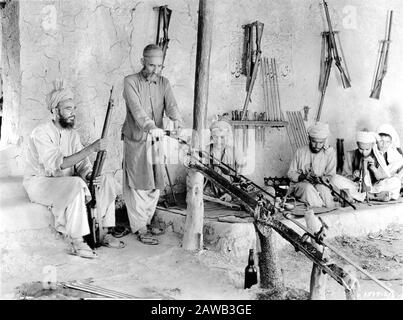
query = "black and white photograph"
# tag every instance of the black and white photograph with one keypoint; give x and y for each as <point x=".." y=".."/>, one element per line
<point x="203" y="157"/>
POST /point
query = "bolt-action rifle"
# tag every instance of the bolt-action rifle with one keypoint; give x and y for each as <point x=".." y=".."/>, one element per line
<point x="94" y="220"/>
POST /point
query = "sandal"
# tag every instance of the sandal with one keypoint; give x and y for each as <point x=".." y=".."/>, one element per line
<point x="156" y="231"/>
<point x="120" y="231"/>
<point x="82" y="250"/>
<point x="147" y="238"/>
<point x="110" y="242"/>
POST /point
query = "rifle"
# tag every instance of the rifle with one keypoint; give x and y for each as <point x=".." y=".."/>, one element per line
<point x="335" y="193"/>
<point x="266" y="216"/>
<point x="252" y="66"/>
<point x="94" y="237"/>
<point x="333" y="46"/>
<point x="382" y="64"/>
<point x="164" y="14"/>
<point x="327" y="65"/>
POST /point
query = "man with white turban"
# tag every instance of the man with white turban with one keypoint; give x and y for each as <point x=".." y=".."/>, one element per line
<point x="365" y="172"/>
<point x="148" y="95"/>
<point x="57" y="170"/>
<point x="311" y="162"/>
<point x="221" y="148"/>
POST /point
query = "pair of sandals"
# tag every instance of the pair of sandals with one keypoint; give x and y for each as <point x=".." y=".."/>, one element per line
<point x="81" y="249"/>
<point x="149" y="236"/>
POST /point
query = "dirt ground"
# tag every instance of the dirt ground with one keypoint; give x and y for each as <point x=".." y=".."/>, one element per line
<point x="166" y="271"/>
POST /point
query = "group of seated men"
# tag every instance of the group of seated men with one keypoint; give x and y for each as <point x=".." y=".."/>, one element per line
<point x="373" y="171"/>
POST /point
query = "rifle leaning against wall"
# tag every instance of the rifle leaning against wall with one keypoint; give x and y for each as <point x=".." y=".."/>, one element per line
<point x="382" y="64"/>
<point x="266" y="215"/>
<point x="94" y="238"/>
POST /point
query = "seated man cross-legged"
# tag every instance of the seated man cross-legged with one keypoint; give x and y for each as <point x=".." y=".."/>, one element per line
<point x="310" y="164"/>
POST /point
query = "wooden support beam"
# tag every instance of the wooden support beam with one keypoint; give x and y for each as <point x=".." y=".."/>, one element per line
<point x="193" y="234"/>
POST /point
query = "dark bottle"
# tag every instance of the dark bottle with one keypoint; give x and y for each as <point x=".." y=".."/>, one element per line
<point x="250" y="271"/>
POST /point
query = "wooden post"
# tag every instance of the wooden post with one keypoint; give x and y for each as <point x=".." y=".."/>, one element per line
<point x="270" y="273"/>
<point x="193" y="235"/>
<point x="318" y="278"/>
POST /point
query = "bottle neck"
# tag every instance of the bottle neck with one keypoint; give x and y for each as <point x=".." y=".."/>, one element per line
<point x="251" y="260"/>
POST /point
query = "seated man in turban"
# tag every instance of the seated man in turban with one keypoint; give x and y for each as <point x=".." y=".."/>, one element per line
<point x="221" y="148"/>
<point x="311" y="162"/>
<point x="365" y="172"/>
<point x="57" y="171"/>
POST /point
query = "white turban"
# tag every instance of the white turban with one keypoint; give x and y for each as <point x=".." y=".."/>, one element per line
<point x="319" y="130"/>
<point x="58" y="94"/>
<point x="389" y="130"/>
<point x="366" y="137"/>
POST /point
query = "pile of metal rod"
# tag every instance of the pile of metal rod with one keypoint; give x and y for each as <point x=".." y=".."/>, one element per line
<point x="271" y="92"/>
<point x="296" y="130"/>
<point x="86" y="287"/>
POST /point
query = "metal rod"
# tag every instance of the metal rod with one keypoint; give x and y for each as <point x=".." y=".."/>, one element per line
<point x="88" y="290"/>
<point x="109" y="292"/>
<point x="295" y="124"/>
<point x="294" y="133"/>
<point x="103" y="291"/>
<point x="280" y="113"/>
<point x="303" y="129"/>
<point x="337" y="252"/>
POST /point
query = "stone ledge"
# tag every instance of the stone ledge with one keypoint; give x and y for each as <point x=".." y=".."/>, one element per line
<point x="237" y="238"/>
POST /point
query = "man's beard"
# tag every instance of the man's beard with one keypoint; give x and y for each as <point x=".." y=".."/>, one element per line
<point x="150" y="76"/>
<point x="67" y="123"/>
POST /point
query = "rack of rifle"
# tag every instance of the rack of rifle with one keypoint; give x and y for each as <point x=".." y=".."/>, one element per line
<point x="272" y="115"/>
<point x="267" y="213"/>
<point x="330" y="53"/>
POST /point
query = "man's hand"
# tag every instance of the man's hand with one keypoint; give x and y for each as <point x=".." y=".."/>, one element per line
<point x="302" y="177"/>
<point x="97" y="180"/>
<point x="156" y="133"/>
<point x="226" y="197"/>
<point x="100" y="144"/>
<point x="177" y="125"/>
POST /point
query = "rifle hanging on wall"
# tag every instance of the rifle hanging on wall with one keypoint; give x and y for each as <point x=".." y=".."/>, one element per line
<point x="253" y="39"/>
<point x="382" y="63"/>
<point x="94" y="238"/>
<point x="164" y="17"/>
<point x="330" y="52"/>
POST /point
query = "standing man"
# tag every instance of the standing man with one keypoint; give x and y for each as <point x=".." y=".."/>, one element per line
<point x="148" y="95"/>
<point x="57" y="171"/>
<point x="311" y="162"/>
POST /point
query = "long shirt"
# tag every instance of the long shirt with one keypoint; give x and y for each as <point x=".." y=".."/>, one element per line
<point x="322" y="164"/>
<point x="146" y="102"/>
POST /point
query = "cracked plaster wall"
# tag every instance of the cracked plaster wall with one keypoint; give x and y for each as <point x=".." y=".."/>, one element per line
<point x="94" y="44"/>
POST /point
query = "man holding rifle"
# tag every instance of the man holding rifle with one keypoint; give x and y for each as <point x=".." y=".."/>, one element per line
<point x="311" y="163"/>
<point x="57" y="171"/>
<point x="147" y="95"/>
<point x="366" y="174"/>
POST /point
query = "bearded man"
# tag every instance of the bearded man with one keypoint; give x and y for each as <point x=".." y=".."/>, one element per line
<point x="148" y="95"/>
<point x="310" y="163"/>
<point x="57" y="170"/>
